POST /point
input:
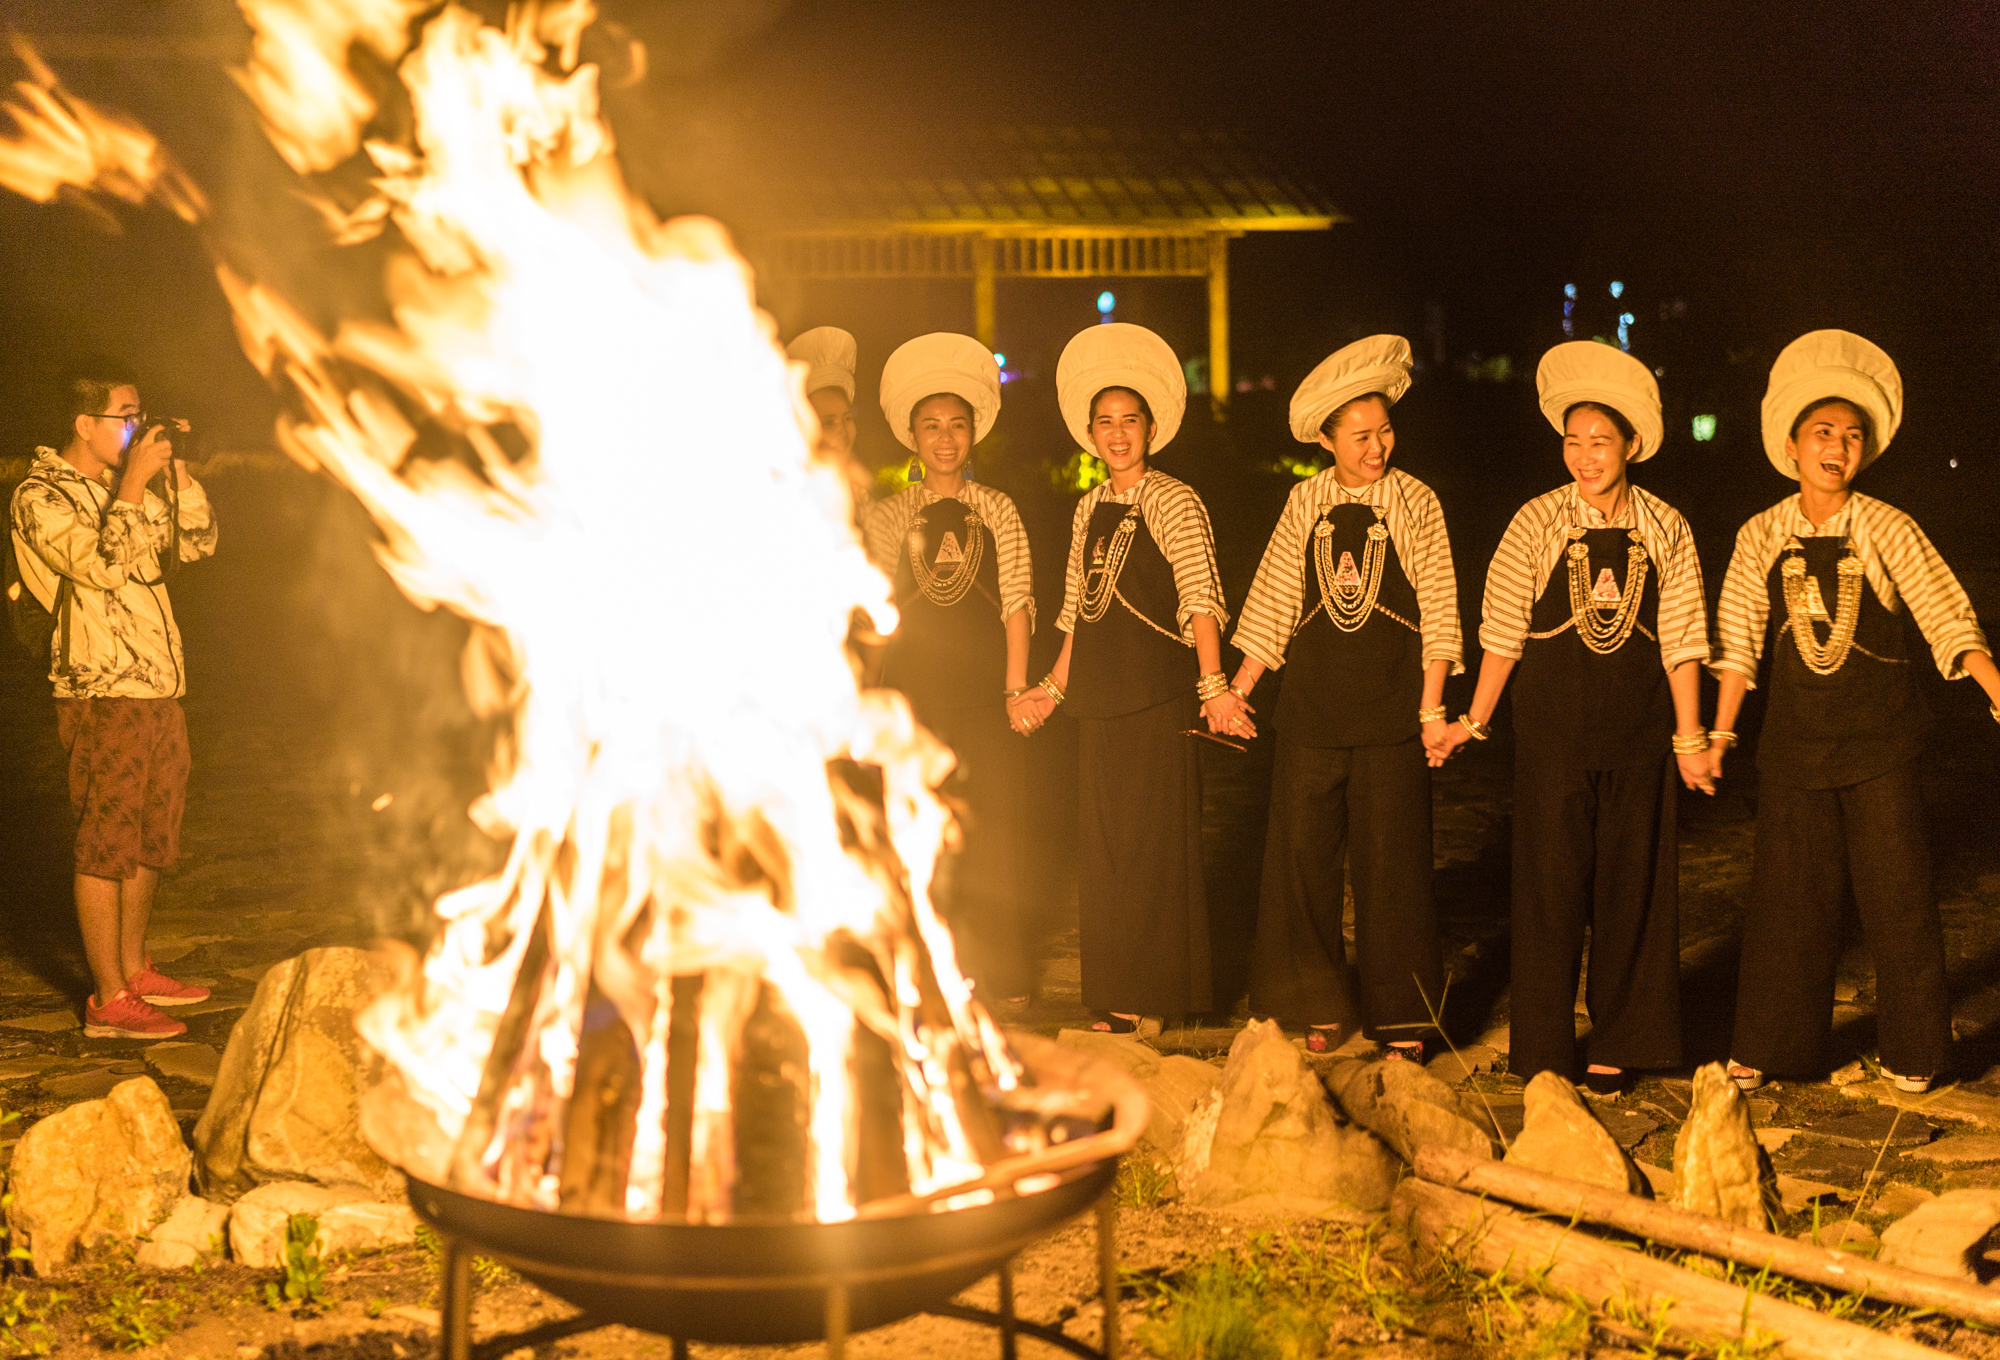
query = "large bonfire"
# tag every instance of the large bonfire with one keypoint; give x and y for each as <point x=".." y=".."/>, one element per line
<point x="721" y="848"/>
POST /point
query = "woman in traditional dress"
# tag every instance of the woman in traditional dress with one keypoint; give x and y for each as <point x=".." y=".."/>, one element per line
<point x="828" y="353"/>
<point x="959" y="558"/>
<point x="1839" y="805"/>
<point x="1606" y="726"/>
<point x="1142" y="664"/>
<point x="1357" y="596"/>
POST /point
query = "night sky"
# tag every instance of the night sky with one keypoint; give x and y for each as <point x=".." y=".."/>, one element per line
<point x="1764" y="169"/>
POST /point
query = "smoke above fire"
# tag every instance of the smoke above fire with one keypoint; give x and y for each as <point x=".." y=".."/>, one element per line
<point x="712" y="828"/>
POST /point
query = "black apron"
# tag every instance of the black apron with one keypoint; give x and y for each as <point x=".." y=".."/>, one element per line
<point x="1830" y="731"/>
<point x="1360" y="688"/>
<point x="948" y="656"/>
<point x="1132" y="657"/>
<point x="1580" y="709"/>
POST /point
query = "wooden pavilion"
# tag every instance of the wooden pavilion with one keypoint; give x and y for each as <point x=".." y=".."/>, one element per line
<point x="1045" y="203"/>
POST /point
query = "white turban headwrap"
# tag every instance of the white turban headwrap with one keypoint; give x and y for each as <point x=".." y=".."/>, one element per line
<point x="1381" y="363"/>
<point x="1823" y="364"/>
<point x="1118" y="354"/>
<point x="828" y="354"/>
<point x="1587" y="370"/>
<point x="940" y="362"/>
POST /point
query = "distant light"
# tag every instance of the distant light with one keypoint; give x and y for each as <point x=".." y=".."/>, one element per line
<point x="1625" y="318"/>
<point x="1617" y="288"/>
<point x="1704" y="429"/>
<point x="1660" y="372"/>
<point x="999" y="359"/>
<point x="1569" y="290"/>
<point x="1954" y="462"/>
<point x="1105" y="301"/>
<point x="1625" y="330"/>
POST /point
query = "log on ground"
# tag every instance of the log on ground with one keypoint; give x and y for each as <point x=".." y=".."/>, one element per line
<point x="1677" y="1227"/>
<point x="1628" y="1286"/>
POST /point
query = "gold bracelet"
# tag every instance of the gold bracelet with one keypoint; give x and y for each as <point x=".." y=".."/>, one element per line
<point x="1479" y="730"/>
<point x="1693" y="744"/>
<point x="1013" y="694"/>
<point x="1431" y="715"/>
<point x="1728" y="739"/>
<point x="1051" y="688"/>
<point x="1243" y="694"/>
<point x="1211" y="686"/>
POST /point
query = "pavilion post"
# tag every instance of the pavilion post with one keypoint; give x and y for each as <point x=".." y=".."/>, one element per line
<point x="1218" y="323"/>
<point x="982" y="290"/>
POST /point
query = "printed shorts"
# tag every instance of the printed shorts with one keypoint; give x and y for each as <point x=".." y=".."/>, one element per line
<point x="128" y="772"/>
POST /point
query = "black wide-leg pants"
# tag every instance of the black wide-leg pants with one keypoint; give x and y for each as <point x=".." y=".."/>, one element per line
<point x="1596" y="849"/>
<point x="1811" y="843"/>
<point x="1141" y="906"/>
<point x="980" y="886"/>
<point x="1364" y="809"/>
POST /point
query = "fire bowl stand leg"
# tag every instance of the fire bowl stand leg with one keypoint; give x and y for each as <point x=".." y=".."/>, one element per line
<point x="1012" y="1327"/>
<point x="455" y="1314"/>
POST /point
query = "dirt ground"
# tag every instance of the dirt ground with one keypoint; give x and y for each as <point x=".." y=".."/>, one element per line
<point x="333" y="762"/>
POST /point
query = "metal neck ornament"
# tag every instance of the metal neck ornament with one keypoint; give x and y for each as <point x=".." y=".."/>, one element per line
<point x="1100" y="580"/>
<point x="1605" y="627"/>
<point x="1822" y="660"/>
<point x="1348" y="606"/>
<point x="946" y="591"/>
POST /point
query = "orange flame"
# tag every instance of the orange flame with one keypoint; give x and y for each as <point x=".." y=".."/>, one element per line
<point x="62" y="141"/>
<point x="661" y="586"/>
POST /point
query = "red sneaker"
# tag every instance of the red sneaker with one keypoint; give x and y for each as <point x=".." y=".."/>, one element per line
<point x="150" y="984"/>
<point x="125" y="1016"/>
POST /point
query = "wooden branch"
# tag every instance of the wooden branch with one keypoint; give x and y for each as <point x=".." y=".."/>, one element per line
<point x="1712" y="1236"/>
<point x="1631" y="1287"/>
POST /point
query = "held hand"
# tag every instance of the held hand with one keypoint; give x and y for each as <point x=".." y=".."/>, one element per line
<point x="1027" y="712"/>
<point x="1438" y="745"/>
<point x="1228" y="713"/>
<point x="1698" y="771"/>
<point x="1455" y="736"/>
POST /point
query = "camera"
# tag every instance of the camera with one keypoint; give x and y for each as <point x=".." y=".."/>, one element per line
<point x="177" y="431"/>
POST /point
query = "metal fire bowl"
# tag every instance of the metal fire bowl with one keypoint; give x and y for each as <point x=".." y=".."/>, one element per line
<point x="764" y="1283"/>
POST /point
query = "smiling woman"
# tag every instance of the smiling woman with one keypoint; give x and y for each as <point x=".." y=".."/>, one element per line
<point x="1606" y="725"/>
<point x="1356" y="595"/>
<point x="1839" y="805"/>
<point x="959" y="557"/>
<point x="1142" y="663"/>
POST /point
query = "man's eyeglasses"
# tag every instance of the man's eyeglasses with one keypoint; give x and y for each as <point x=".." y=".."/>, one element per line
<point x="134" y="418"/>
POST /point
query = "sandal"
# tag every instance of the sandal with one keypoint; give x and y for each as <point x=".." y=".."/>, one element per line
<point x="1405" y="1050"/>
<point x="1747" y="1079"/>
<point x="1607" y="1083"/>
<point x="1115" y="1024"/>
<point x="1915" y="1086"/>
<point x="1322" y="1038"/>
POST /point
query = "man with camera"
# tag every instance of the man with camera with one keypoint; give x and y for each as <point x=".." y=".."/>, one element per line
<point x="97" y="530"/>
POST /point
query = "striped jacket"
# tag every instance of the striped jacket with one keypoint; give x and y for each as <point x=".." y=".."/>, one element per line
<point x="1901" y="565"/>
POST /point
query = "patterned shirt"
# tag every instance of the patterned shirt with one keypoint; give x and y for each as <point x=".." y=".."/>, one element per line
<point x="1536" y="540"/>
<point x="1178" y="522"/>
<point x="1274" y="610"/>
<point x="1900" y="564"/>
<point x="888" y="530"/>
<point x="123" y="641"/>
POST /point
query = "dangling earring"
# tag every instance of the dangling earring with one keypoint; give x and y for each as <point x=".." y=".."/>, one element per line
<point x="969" y="476"/>
<point x="914" y="473"/>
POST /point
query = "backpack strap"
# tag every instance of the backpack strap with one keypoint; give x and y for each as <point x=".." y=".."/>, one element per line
<point x="65" y="601"/>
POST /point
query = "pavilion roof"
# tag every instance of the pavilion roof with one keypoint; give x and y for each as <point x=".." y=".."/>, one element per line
<point x="1054" y="178"/>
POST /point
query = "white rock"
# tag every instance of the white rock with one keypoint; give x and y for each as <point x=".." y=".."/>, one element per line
<point x="1943" y="1236"/>
<point x="99" y="1171"/>
<point x="1845" y="1235"/>
<point x="284" y="1106"/>
<point x="350" y="1219"/>
<point x="1718" y="1167"/>
<point x="194" y="1230"/>
<point x="1561" y="1137"/>
<point x="1174" y="1084"/>
<point x="1269" y="1129"/>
